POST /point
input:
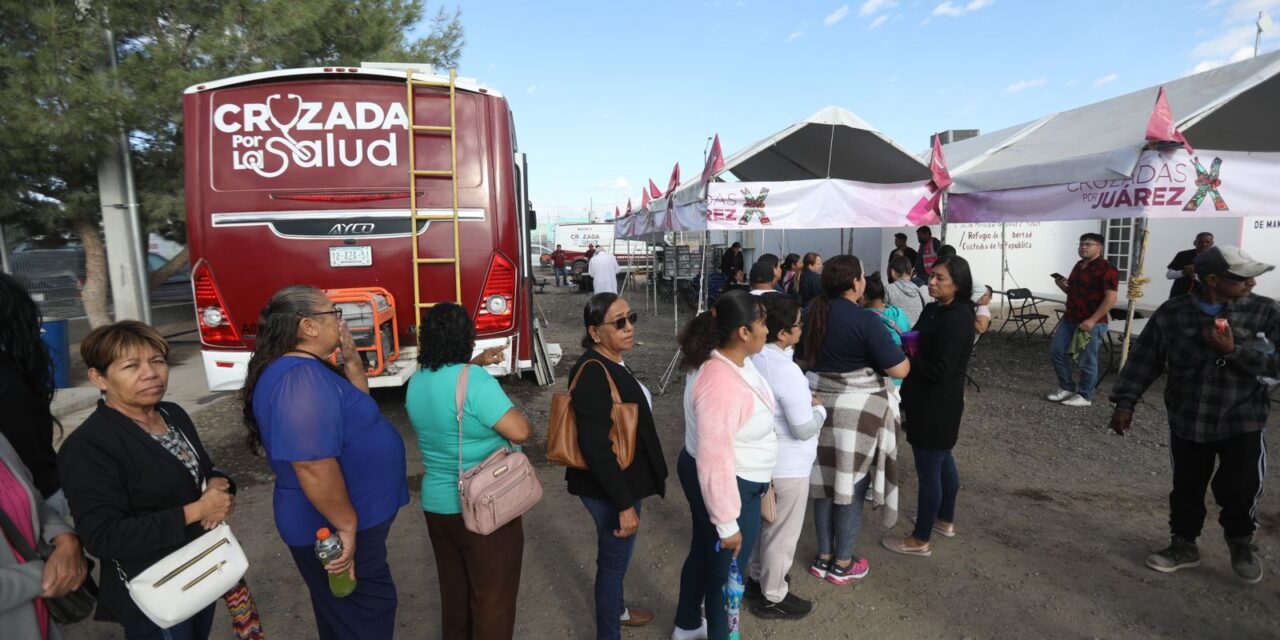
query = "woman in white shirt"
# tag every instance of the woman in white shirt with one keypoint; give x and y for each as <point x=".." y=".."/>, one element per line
<point x="797" y="417"/>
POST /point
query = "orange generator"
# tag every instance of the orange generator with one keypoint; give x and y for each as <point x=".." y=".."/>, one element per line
<point x="370" y="315"/>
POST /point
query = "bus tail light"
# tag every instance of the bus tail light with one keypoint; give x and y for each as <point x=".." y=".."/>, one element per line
<point x="495" y="312"/>
<point x="216" y="327"/>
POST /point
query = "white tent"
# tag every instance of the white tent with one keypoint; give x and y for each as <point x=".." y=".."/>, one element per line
<point x="1093" y="162"/>
<point x="830" y="170"/>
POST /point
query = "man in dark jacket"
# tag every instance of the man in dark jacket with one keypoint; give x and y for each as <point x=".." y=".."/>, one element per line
<point x="1181" y="272"/>
<point x="1217" y="344"/>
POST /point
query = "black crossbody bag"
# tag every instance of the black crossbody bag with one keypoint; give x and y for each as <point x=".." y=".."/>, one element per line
<point x="65" y="609"/>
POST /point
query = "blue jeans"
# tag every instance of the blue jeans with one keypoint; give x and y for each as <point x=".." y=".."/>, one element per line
<point x="562" y="275"/>
<point x="194" y="628"/>
<point x="705" y="571"/>
<point x="939" y="484"/>
<point x="837" y="525"/>
<point x="613" y="554"/>
<point x="1088" y="360"/>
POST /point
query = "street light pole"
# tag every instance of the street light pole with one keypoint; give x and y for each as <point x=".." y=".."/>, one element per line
<point x="122" y="230"/>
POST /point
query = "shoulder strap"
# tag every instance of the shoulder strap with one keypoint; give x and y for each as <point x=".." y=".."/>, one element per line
<point x="19" y="543"/>
<point x="460" y="398"/>
<point x="613" y="388"/>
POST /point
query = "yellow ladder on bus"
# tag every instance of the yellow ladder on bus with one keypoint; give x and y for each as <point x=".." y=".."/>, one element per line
<point x="415" y="173"/>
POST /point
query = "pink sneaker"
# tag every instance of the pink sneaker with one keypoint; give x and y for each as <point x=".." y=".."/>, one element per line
<point x="844" y="575"/>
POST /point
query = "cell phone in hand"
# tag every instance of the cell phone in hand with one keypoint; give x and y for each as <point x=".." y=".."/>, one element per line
<point x="1056" y="276"/>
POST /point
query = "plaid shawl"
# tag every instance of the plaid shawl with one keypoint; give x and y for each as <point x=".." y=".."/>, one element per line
<point x="861" y="427"/>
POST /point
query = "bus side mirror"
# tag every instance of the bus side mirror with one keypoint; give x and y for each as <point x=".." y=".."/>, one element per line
<point x="532" y="218"/>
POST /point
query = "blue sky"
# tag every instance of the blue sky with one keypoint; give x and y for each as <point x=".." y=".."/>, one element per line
<point x="609" y="94"/>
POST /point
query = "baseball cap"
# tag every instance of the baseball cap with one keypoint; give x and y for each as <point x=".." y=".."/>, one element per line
<point x="1229" y="259"/>
<point x="761" y="272"/>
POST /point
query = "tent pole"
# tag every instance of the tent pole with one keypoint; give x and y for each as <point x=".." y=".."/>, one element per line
<point x="1135" y="292"/>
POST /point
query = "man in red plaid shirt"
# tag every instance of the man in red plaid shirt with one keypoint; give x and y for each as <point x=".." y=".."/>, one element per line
<point x="1091" y="292"/>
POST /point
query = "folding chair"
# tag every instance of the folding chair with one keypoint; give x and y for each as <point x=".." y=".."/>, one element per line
<point x="968" y="378"/>
<point x="715" y="283"/>
<point x="1024" y="313"/>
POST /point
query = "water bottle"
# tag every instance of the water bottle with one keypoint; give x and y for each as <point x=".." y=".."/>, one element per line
<point x="733" y="589"/>
<point x="328" y="549"/>
<point x="1263" y="345"/>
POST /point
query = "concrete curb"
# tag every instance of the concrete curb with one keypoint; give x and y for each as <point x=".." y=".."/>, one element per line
<point x="71" y="400"/>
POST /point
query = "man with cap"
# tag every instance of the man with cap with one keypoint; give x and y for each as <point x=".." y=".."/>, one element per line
<point x="1216" y="343"/>
<point x="731" y="262"/>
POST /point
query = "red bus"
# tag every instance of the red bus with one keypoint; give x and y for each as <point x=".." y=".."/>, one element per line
<point x="303" y="176"/>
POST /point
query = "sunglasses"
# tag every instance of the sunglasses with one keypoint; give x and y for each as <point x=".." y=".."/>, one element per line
<point x="621" y="323"/>
<point x="336" y="313"/>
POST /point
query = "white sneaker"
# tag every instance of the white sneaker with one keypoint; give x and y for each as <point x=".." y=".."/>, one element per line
<point x="695" y="634"/>
<point x="1076" y="400"/>
<point x="1059" y="395"/>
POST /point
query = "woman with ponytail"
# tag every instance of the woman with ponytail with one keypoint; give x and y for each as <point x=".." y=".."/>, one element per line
<point x="850" y="358"/>
<point x="728" y="457"/>
<point x="339" y="463"/>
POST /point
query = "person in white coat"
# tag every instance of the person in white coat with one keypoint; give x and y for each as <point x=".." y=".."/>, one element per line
<point x="603" y="270"/>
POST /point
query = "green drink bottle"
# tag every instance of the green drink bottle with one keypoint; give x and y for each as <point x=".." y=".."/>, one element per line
<point x="328" y="549"/>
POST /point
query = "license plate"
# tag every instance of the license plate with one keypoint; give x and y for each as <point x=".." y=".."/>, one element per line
<point x="351" y="256"/>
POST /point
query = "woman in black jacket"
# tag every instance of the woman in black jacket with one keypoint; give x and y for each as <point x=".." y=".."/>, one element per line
<point x="933" y="402"/>
<point x="133" y="474"/>
<point x="611" y="494"/>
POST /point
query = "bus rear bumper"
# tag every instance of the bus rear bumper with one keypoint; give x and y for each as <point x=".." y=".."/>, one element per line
<point x="225" y="370"/>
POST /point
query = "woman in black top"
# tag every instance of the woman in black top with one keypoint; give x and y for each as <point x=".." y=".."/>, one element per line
<point x="26" y="390"/>
<point x="134" y="471"/>
<point x="933" y="401"/>
<point x="612" y="495"/>
<point x="810" y="278"/>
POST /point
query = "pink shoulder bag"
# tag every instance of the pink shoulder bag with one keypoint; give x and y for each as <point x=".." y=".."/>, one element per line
<point x="499" y="489"/>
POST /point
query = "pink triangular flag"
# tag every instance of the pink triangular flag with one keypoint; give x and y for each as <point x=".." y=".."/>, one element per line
<point x="715" y="161"/>
<point x="654" y="191"/>
<point x="675" y="180"/>
<point x="1160" y="127"/>
<point x="938" y="165"/>
<point x="644" y="197"/>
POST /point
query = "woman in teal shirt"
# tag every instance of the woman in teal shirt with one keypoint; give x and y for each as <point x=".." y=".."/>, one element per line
<point x="487" y="608"/>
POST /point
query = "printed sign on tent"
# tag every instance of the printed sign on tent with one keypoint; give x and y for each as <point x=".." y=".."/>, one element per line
<point x="1163" y="185"/>
<point x="810" y="204"/>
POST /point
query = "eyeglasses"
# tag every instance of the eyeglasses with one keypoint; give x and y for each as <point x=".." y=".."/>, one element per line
<point x="621" y="323"/>
<point x="336" y="312"/>
<point x="1090" y="244"/>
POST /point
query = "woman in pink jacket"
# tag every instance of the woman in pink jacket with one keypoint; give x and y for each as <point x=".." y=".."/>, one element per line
<point x="728" y="457"/>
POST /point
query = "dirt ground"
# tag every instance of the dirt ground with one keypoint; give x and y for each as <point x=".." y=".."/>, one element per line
<point x="1055" y="517"/>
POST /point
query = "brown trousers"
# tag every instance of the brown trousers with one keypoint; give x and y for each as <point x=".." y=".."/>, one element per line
<point x="479" y="577"/>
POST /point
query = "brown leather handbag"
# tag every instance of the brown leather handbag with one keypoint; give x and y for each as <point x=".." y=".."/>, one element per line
<point x="562" y="432"/>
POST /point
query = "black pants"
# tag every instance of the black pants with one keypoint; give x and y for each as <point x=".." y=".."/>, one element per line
<point x="1241" y="463"/>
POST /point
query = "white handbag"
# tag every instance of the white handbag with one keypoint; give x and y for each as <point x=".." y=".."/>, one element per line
<point x="186" y="581"/>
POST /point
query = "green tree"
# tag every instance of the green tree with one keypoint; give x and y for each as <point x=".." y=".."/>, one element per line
<point x="63" y="106"/>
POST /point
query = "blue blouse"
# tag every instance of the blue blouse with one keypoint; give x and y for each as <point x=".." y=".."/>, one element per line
<point x="305" y="411"/>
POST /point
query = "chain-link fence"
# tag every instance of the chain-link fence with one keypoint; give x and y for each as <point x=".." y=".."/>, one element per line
<point x="53" y="277"/>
